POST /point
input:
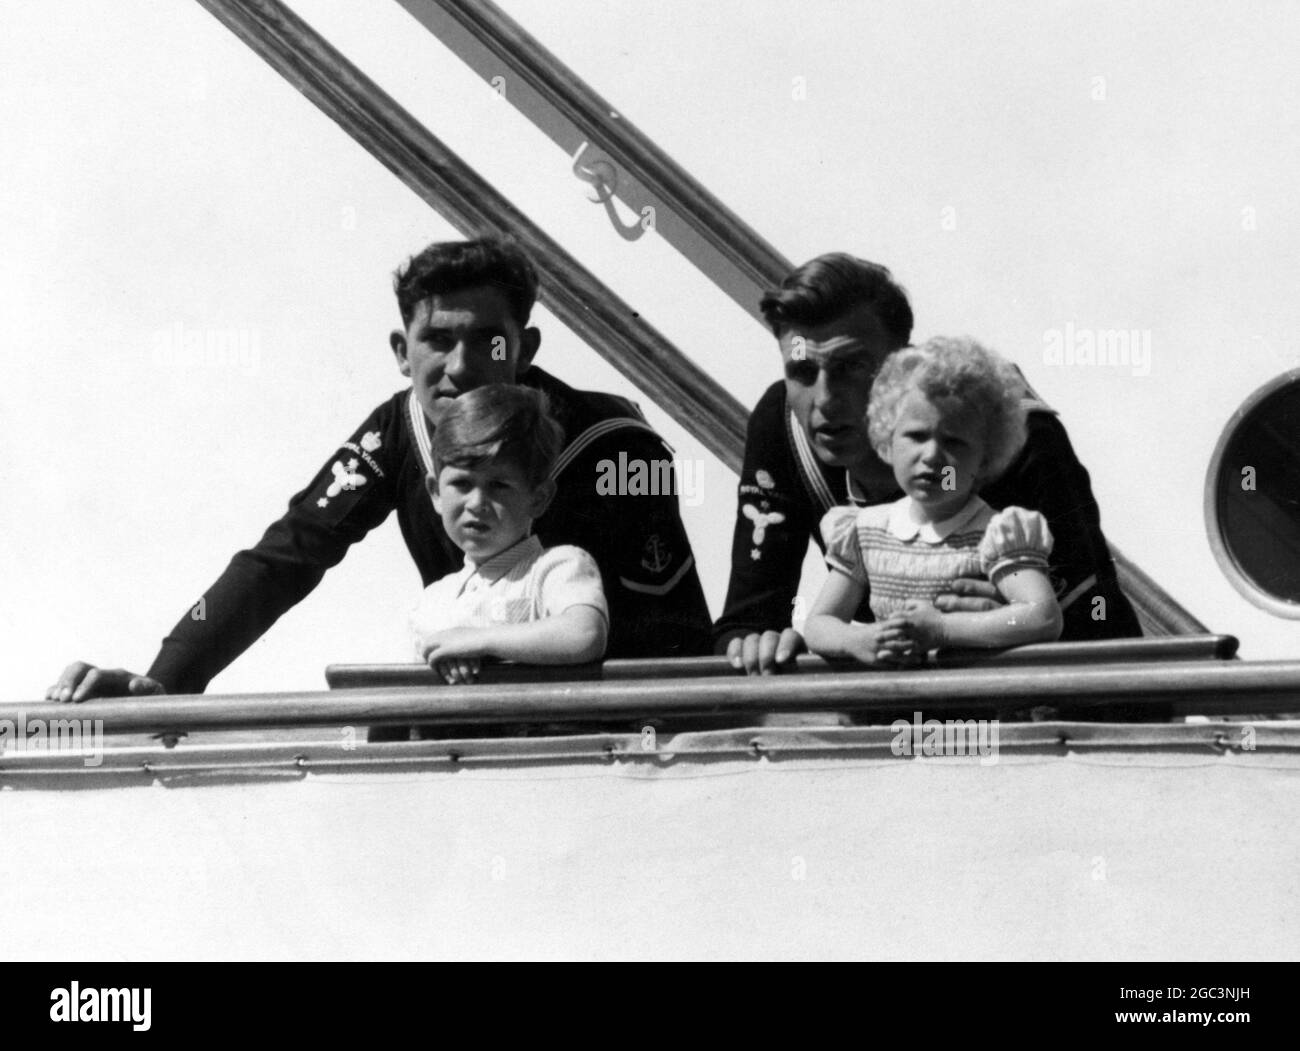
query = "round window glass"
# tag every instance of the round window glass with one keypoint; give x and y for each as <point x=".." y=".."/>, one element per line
<point x="1252" y="497"/>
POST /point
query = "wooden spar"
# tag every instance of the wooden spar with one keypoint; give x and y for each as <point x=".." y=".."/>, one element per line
<point x="426" y="165"/>
<point x="1185" y="687"/>
<point x="577" y="297"/>
<point x="1181" y="647"/>
<point x="1159" y="613"/>
<point x="716" y="240"/>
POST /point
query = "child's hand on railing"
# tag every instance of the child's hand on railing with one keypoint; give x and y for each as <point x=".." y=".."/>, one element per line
<point x="919" y="625"/>
<point x="455" y="654"/>
<point x="882" y="644"/>
<point x="458" y="671"/>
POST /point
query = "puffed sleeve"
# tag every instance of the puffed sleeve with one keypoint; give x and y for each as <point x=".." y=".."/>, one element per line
<point x="840" y="534"/>
<point x="1015" y="539"/>
<point x="570" y="577"/>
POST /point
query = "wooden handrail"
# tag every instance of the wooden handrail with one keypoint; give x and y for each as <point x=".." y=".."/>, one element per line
<point x="1184" y="687"/>
<point x="1180" y="647"/>
<point x="1103" y="651"/>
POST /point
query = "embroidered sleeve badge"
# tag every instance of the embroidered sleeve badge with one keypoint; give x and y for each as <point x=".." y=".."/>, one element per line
<point x="761" y="522"/>
<point x="346" y="479"/>
<point x="657" y="555"/>
<point x="658" y="558"/>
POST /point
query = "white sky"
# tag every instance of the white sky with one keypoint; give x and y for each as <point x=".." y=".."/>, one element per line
<point x="1099" y="161"/>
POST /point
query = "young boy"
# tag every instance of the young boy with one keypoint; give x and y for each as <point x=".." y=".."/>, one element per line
<point x="493" y="451"/>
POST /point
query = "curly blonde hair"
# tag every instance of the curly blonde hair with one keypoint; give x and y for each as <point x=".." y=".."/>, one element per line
<point x="946" y="367"/>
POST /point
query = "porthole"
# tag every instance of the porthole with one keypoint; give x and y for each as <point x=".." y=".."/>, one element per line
<point x="1252" y="497"/>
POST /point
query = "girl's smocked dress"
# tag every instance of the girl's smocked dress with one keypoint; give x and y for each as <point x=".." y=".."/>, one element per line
<point x="902" y="559"/>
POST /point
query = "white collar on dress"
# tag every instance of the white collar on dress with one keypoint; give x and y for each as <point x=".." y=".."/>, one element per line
<point x="905" y="522"/>
<point x="496" y="567"/>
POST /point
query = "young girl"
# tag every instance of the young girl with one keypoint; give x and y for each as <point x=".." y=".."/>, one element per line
<point x="947" y="417"/>
<point x="514" y="600"/>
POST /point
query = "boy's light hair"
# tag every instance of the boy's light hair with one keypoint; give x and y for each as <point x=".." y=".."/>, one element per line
<point x="944" y="367"/>
<point x="499" y="422"/>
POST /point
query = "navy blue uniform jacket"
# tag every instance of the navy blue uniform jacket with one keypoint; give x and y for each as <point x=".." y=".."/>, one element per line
<point x="655" y="600"/>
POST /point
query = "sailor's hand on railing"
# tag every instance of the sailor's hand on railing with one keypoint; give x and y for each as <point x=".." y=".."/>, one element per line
<point x="970" y="595"/>
<point x="82" y="682"/>
<point x="762" y="654"/>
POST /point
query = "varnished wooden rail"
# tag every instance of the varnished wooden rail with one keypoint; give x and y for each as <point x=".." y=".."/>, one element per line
<point x="1178" y="647"/>
<point x="1175" y="687"/>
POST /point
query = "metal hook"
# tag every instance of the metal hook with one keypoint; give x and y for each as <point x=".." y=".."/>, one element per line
<point x="603" y="177"/>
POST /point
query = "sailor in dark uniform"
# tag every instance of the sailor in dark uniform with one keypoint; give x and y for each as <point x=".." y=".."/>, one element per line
<point x="465" y="308"/>
<point x="806" y="450"/>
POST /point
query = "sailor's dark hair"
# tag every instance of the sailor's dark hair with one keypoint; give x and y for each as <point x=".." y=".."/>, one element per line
<point x="833" y="284"/>
<point x="451" y="266"/>
<point x="499" y="423"/>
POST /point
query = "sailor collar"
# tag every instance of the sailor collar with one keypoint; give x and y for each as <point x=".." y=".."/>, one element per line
<point x="496" y="567"/>
<point x="858" y="494"/>
<point x="904" y="522"/>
